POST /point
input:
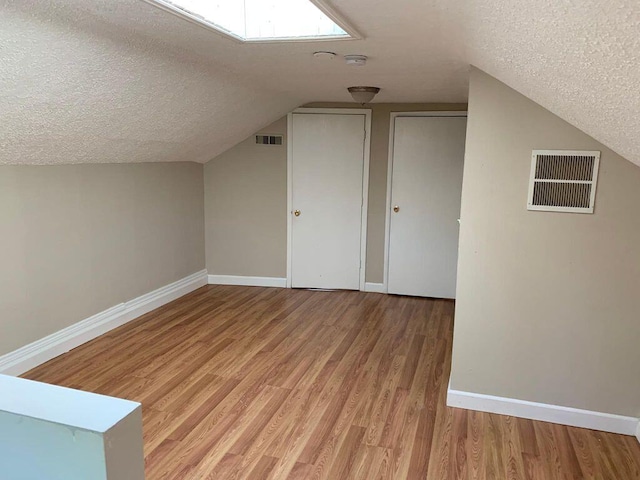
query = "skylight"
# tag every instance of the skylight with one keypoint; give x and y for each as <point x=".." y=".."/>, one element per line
<point x="262" y="20"/>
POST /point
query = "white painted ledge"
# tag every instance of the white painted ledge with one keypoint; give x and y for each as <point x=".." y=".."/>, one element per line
<point x="247" y="281"/>
<point x="43" y="350"/>
<point x="574" y="417"/>
<point x="65" y="434"/>
<point x="375" y="287"/>
<point x="65" y="406"/>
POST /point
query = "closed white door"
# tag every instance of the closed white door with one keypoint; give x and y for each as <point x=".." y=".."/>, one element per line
<point x="426" y="186"/>
<point x="327" y="200"/>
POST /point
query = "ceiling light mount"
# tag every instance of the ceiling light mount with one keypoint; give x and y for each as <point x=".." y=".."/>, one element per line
<point x="363" y="94"/>
<point x="324" y="55"/>
<point x="356" y="60"/>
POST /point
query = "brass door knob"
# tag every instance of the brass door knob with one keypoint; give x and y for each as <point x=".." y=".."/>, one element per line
<point x="396" y="209"/>
<point x="297" y="213"/>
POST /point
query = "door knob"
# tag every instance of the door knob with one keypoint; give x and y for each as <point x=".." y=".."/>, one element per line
<point x="396" y="209"/>
<point x="297" y="213"/>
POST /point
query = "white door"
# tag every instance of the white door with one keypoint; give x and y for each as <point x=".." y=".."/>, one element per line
<point x="426" y="185"/>
<point x="327" y="200"/>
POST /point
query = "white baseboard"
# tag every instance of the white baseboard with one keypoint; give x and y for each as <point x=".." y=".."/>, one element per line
<point x="247" y="281"/>
<point x="638" y="431"/>
<point x="43" y="350"/>
<point x="274" y="282"/>
<point x="574" y="417"/>
<point x="375" y="287"/>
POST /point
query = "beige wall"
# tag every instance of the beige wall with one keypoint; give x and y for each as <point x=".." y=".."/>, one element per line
<point x="548" y="307"/>
<point x="78" y="239"/>
<point x="250" y="180"/>
<point x="246" y="208"/>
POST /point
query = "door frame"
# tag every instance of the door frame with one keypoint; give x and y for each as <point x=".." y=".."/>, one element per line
<point x="365" y="181"/>
<point x="387" y="218"/>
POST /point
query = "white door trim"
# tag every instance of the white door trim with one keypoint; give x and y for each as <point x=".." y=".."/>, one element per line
<point x="365" y="181"/>
<point x="387" y="218"/>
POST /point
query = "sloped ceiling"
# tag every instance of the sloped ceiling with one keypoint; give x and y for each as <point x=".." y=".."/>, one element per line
<point x="85" y="81"/>
<point x="579" y="59"/>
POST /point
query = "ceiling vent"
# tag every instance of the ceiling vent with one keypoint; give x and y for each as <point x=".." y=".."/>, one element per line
<point x="269" y="139"/>
<point x="563" y="181"/>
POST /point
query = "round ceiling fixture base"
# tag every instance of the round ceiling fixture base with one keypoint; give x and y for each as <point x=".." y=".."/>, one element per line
<point x="324" y="55"/>
<point x="362" y="94"/>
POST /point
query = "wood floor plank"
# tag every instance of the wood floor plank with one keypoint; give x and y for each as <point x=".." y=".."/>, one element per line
<point x="347" y="454"/>
<point x="249" y="383"/>
<point x="514" y="464"/>
<point x="458" y="465"/>
<point x="263" y="468"/>
<point x="493" y="466"/>
<point x="300" y="471"/>
<point x="580" y="441"/>
<point x="475" y="451"/>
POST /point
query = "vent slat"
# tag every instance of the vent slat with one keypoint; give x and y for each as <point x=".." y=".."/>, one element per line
<point x="269" y="139"/>
<point x="565" y="167"/>
<point x="576" y="195"/>
<point x="563" y="181"/>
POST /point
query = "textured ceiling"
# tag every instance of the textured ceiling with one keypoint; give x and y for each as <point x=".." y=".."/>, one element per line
<point x="579" y="59"/>
<point x="85" y="81"/>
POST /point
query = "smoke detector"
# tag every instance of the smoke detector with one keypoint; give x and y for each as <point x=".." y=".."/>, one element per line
<point x="356" y="60"/>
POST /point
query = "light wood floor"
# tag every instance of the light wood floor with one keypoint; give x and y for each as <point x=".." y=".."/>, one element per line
<point x="253" y="383"/>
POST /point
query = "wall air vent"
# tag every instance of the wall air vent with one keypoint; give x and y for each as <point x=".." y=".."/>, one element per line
<point x="563" y="181"/>
<point x="269" y="139"/>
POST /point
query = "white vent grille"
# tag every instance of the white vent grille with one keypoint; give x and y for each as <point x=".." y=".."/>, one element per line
<point x="563" y="181"/>
<point x="269" y="139"/>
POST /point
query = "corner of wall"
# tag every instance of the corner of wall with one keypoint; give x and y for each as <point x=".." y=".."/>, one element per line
<point x="36" y="353"/>
<point x="535" y="290"/>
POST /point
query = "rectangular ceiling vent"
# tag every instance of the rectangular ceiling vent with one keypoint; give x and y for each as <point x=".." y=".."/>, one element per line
<point x="563" y="181"/>
<point x="269" y="139"/>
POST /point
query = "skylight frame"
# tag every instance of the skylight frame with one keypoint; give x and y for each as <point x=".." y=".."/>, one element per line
<point x="329" y="11"/>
